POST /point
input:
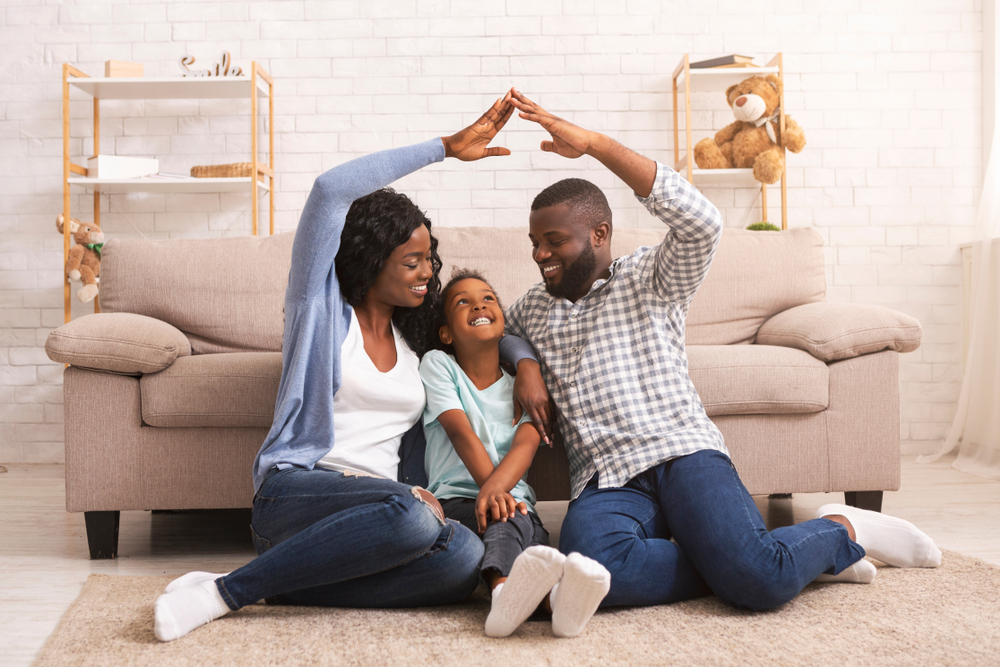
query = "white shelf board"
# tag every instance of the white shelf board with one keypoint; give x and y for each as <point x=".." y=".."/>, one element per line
<point x="722" y="178"/>
<point x="163" y="185"/>
<point x="169" y="88"/>
<point x="714" y="80"/>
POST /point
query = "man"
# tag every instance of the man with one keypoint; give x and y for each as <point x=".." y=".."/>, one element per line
<point x="646" y="462"/>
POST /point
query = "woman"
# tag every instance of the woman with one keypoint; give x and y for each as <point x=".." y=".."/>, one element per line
<point x="334" y="521"/>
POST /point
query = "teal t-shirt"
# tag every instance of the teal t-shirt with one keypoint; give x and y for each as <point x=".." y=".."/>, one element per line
<point x="490" y="412"/>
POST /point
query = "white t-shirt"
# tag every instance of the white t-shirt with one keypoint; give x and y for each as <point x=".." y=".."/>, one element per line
<point x="372" y="410"/>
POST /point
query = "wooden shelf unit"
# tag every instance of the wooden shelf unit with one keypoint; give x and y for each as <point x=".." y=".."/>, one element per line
<point x="258" y="83"/>
<point x="717" y="79"/>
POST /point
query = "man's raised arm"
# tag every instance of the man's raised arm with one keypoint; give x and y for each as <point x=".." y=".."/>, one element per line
<point x="572" y="141"/>
<point x="684" y="256"/>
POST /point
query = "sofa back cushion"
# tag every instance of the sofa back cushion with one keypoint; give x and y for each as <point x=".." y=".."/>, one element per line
<point x="501" y="254"/>
<point x="754" y="275"/>
<point x="226" y="295"/>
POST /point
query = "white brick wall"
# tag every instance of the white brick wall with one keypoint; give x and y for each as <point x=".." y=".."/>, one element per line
<point x="890" y="101"/>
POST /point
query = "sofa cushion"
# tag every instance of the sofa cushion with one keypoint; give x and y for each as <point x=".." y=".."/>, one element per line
<point x="754" y="274"/>
<point x="118" y="343"/>
<point x="240" y="389"/>
<point x="501" y="254"/>
<point x="831" y="331"/>
<point x="758" y="379"/>
<point x="225" y="390"/>
<point x="226" y="295"/>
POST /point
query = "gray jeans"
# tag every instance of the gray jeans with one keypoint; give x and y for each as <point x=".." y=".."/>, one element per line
<point x="503" y="540"/>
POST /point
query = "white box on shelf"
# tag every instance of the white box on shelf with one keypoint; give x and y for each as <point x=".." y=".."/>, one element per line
<point x="118" y="166"/>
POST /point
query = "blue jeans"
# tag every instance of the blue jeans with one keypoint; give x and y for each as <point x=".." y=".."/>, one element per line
<point x="327" y="539"/>
<point x="720" y="543"/>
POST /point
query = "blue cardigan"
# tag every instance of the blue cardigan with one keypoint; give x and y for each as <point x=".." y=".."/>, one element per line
<point x="316" y="316"/>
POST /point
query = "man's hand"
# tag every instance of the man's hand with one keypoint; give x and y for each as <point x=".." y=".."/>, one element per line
<point x="495" y="502"/>
<point x="471" y="143"/>
<point x="531" y="396"/>
<point x="568" y="139"/>
<point x="571" y="141"/>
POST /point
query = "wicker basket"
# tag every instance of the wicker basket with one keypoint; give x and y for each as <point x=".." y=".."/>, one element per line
<point x="234" y="170"/>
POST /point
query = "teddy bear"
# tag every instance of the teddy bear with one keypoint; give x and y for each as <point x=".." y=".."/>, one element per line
<point x="84" y="262"/>
<point x="755" y="138"/>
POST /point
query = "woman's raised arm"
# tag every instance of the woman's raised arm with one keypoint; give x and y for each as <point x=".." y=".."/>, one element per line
<point x="317" y="238"/>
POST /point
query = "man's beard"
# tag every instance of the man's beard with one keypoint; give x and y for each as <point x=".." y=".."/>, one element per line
<point x="575" y="277"/>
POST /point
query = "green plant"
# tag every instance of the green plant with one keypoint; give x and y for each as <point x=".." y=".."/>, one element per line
<point x="763" y="227"/>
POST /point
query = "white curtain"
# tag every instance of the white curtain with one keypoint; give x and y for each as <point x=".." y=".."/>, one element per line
<point x="977" y="423"/>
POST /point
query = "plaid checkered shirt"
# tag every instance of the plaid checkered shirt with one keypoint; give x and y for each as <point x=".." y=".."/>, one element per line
<point x="614" y="361"/>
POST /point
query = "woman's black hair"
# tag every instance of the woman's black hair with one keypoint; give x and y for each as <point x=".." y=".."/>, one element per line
<point x="435" y="342"/>
<point x="376" y="225"/>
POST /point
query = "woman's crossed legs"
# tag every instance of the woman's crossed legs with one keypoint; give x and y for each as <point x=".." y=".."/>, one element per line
<point x="329" y="539"/>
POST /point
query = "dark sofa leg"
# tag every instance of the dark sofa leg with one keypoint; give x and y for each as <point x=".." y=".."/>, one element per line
<point x="102" y="533"/>
<point x="865" y="500"/>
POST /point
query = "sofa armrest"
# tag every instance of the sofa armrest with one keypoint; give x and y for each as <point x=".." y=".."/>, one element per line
<point x="832" y="331"/>
<point x="118" y="343"/>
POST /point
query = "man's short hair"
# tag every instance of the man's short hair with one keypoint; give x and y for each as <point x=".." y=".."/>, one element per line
<point x="588" y="203"/>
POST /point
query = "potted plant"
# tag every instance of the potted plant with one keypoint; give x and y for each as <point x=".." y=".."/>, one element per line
<point x="763" y="227"/>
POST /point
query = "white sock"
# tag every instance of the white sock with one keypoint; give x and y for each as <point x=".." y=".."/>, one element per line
<point x="888" y="539"/>
<point x="861" y="572"/>
<point x="584" y="584"/>
<point x="192" y="578"/>
<point x="533" y="575"/>
<point x="181" y="611"/>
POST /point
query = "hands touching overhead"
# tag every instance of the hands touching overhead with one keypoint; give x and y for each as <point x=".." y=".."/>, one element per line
<point x="568" y="140"/>
<point x="472" y="142"/>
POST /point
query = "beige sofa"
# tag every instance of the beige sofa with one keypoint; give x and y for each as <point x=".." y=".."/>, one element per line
<point x="170" y="391"/>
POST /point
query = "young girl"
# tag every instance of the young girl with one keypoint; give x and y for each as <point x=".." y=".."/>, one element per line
<point x="477" y="461"/>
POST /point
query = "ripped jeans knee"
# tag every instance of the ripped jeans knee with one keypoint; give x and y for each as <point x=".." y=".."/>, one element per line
<point x="427" y="498"/>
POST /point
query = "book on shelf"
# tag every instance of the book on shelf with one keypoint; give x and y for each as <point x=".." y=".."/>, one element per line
<point x="732" y="60"/>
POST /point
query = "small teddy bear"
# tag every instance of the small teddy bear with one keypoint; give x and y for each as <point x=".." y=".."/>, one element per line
<point x="84" y="262"/>
<point x="755" y="138"/>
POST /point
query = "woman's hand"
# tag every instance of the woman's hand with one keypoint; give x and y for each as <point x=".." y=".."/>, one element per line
<point x="568" y="139"/>
<point x="495" y="502"/>
<point x="471" y="143"/>
<point x="531" y="396"/>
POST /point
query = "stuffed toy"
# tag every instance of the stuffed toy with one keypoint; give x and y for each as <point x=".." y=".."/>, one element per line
<point x="84" y="262"/>
<point x="755" y="139"/>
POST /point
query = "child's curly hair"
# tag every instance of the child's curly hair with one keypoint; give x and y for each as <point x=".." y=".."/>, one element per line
<point x="442" y="320"/>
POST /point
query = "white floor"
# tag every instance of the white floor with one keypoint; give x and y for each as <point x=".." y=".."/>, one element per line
<point x="44" y="559"/>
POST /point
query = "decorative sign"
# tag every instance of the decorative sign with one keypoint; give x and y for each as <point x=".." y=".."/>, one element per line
<point x="220" y="69"/>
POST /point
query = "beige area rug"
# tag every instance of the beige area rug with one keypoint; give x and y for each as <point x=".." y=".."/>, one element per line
<point x="947" y="616"/>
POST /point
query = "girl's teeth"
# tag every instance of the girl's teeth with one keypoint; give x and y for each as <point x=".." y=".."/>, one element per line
<point x="479" y="322"/>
